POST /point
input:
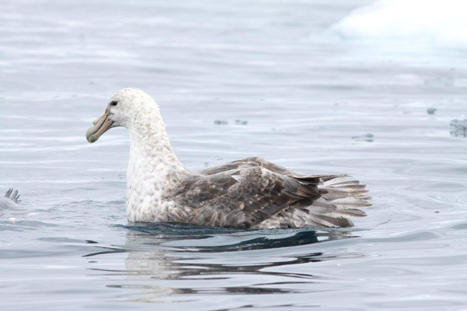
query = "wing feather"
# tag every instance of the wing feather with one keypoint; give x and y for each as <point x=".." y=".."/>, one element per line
<point x="253" y="192"/>
<point x="257" y="192"/>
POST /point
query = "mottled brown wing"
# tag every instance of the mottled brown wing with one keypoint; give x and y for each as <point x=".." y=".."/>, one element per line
<point x="248" y="162"/>
<point x="260" y="162"/>
<point x="241" y="198"/>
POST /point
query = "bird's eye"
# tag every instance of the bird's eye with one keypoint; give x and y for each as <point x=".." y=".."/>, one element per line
<point x="114" y="103"/>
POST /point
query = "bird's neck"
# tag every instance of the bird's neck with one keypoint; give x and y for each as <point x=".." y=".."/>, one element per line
<point x="153" y="168"/>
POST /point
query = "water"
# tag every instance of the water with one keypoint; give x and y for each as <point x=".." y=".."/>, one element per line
<point x="233" y="79"/>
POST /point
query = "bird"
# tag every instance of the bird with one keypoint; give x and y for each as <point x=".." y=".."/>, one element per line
<point x="10" y="199"/>
<point x="250" y="193"/>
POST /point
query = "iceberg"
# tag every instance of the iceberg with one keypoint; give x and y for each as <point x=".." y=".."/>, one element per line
<point x="438" y="23"/>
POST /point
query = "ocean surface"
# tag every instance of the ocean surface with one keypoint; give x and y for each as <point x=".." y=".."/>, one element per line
<point x="289" y="81"/>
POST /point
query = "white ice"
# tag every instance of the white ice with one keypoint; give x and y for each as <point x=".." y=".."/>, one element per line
<point x="439" y="23"/>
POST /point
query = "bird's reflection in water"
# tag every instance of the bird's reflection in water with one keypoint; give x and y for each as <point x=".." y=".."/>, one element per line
<point x="170" y="259"/>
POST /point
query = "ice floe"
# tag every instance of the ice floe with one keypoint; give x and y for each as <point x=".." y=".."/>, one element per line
<point x="440" y="23"/>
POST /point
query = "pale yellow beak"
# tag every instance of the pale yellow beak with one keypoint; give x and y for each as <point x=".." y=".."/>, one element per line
<point x="101" y="125"/>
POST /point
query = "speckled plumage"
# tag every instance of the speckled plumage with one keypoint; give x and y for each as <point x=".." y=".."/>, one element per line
<point x="249" y="193"/>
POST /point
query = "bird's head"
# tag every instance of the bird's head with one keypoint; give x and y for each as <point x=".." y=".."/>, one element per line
<point x="124" y="109"/>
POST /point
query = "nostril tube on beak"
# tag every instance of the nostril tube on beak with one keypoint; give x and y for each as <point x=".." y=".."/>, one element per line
<point x="99" y="118"/>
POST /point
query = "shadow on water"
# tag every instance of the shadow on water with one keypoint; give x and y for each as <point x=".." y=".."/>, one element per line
<point x="220" y="239"/>
<point x="203" y="259"/>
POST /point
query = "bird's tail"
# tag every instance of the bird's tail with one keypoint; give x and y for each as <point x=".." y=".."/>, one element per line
<point x="339" y="199"/>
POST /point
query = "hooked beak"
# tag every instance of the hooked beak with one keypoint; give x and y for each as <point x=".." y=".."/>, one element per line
<point x="101" y="125"/>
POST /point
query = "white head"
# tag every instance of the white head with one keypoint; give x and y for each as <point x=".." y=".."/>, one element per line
<point x="126" y="108"/>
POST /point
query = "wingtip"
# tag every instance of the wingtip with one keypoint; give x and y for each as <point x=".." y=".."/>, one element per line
<point x="13" y="195"/>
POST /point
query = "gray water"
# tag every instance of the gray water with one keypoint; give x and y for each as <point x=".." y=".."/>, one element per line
<point x="233" y="79"/>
